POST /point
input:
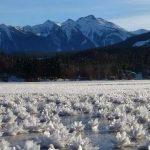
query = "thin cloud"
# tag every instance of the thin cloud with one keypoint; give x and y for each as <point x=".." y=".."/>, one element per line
<point x="134" y="22"/>
<point x="137" y="2"/>
<point x="23" y="12"/>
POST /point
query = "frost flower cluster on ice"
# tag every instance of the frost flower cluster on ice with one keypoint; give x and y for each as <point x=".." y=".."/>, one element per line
<point x="126" y="113"/>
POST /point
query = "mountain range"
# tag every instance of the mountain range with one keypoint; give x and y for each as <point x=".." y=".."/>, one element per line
<point x="85" y="33"/>
<point x="140" y="31"/>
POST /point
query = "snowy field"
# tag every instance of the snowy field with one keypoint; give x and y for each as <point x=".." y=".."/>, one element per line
<point x="87" y="115"/>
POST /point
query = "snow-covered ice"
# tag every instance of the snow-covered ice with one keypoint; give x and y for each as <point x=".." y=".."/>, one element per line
<point x="84" y="115"/>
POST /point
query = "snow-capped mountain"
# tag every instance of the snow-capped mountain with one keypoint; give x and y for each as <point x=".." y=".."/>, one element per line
<point x="142" y="40"/>
<point x="140" y="31"/>
<point x="75" y="38"/>
<point x="42" y="29"/>
<point x="6" y="39"/>
<point x="14" y="40"/>
<point x="69" y="26"/>
<point x="86" y="32"/>
<point x="141" y="43"/>
<point x="101" y="32"/>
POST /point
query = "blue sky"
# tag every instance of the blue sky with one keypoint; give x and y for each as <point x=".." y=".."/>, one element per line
<point x="130" y="14"/>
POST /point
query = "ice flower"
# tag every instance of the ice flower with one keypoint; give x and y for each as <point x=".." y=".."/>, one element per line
<point x="83" y="107"/>
<point x="122" y="139"/>
<point x="60" y="138"/>
<point x="137" y="132"/>
<point x="52" y="147"/>
<point x="117" y="125"/>
<point x="30" y="145"/>
<point x="31" y="124"/>
<point x="77" y="126"/>
<point x="9" y="117"/>
<point x="4" y="145"/>
<point x="145" y="144"/>
<point x="126" y="111"/>
<point x="79" y="143"/>
<point x="13" y="129"/>
<point x="94" y="124"/>
<point x="50" y="127"/>
<point x="143" y="116"/>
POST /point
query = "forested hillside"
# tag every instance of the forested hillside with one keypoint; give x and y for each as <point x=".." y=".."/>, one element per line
<point x="103" y="63"/>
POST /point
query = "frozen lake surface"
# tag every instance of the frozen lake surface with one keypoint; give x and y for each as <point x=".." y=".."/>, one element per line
<point x="73" y="86"/>
<point x="84" y="115"/>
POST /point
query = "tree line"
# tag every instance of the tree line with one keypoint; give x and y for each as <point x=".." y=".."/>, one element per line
<point x="102" y="63"/>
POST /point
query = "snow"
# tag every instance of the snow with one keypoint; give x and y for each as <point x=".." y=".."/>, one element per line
<point x="99" y="115"/>
<point x="73" y="87"/>
<point x="108" y="25"/>
<point x="18" y="28"/>
<point x="141" y="43"/>
<point x="69" y="26"/>
<point x="6" y="29"/>
<point x="58" y="23"/>
<point x="42" y="29"/>
<point x="90" y="26"/>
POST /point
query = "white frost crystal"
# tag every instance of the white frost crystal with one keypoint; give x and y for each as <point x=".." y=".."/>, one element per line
<point x="94" y="124"/>
<point x="77" y="126"/>
<point x="123" y="139"/>
<point x="4" y="145"/>
<point x="31" y="114"/>
<point x="30" y="145"/>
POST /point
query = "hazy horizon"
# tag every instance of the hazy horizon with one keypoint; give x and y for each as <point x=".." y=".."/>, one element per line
<point x="129" y="14"/>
